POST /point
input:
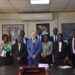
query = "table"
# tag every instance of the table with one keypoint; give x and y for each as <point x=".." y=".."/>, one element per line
<point x="31" y="70"/>
<point x="11" y="70"/>
<point x="6" y="61"/>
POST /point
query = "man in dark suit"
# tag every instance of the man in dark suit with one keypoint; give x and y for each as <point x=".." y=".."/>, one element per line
<point x="60" y="51"/>
<point x="39" y="36"/>
<point x="19" y="52"/>
<point x="71" y="45"/>
<point x="54" y="37"/>
<point x="33" y="48"/>
<point x="24" y="39"/>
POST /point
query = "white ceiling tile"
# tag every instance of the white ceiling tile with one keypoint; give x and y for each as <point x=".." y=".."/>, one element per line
<point x="58" y="5"/>
<point x="25" y="6"/>
<point x="70" y="6"/>
<point x="40" y="8"/>
<point x="21" y="3"/>
<point x="59" y="1"/>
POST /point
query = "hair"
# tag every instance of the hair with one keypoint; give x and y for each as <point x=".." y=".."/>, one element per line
<point x="5" y="35"/>
<point x="60" y="34"/>
<point x="56" y="29"/>
<point x="22" y="31"/>
<point x="39" y="29"/>
<point x="46" y="35"/>
<point x="19" y="35"/>
<point x="33" y="31"/>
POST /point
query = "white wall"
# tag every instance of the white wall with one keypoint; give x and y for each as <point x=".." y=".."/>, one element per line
<point x="65" y="17"/>
<point x="29" y="26"/>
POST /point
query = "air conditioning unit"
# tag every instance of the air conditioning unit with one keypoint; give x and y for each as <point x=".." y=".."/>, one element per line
<point x="37" y="16"/>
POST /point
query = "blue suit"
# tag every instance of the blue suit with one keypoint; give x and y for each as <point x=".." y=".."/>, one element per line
<point x="33" y="50"/>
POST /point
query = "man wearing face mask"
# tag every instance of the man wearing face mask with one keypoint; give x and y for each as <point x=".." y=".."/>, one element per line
<point x="33" y="48"/>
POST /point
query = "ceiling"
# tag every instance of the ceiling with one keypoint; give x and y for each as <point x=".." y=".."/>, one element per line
<point x="24" y="6"/>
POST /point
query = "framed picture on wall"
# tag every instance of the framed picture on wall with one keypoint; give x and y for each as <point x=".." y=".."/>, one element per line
<point x="67" y="29"/>
<point x="14" y="29"/>
<point x="44" y="28"/>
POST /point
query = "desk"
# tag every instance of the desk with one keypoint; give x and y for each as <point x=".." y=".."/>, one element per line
<point x="6" y="60"/>
<point x="11" y="70"/>
<point x="27" y="70"/>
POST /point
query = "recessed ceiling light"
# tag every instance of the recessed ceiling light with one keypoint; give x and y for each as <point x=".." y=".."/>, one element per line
<point x="39" y="1"/>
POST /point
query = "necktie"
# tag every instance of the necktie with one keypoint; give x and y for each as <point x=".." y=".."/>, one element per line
<point x="33" y="42"/>
<point x="19" y="47"/>
<point x="55" y="38"/>
<point x="74" y="43"/>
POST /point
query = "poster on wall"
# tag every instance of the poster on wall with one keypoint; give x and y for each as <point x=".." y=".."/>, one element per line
<point x="67" y="29"/>
<point x="12" y="29"/>
<point x="44" y="28"/>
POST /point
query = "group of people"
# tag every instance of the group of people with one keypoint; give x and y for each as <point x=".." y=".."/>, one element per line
<point x="41" y="48"/>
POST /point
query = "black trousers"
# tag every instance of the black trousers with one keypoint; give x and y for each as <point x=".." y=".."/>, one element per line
<point x="59" y="62"/>
<point x="73" y="60"/>
<point x="47" y="60"/>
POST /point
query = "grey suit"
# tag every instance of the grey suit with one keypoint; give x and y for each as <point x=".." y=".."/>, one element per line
<point x="47" y="51"/>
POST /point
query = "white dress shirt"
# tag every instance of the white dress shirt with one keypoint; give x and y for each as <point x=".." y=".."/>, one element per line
<point x="60" y="46"/>
<point x="73" y="45"/>
<point x="19" y="46"/>
<point x="39" y="37"/>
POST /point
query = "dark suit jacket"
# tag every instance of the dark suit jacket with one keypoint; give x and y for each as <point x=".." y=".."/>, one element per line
<point x="63" y="53"/>
<point x="51" y="39"/>
<point x="70" y="48"/>
<point x="22" y="41"/>
<point x="22" y="53"/>
<point x="42" y="38"/>
<point x="25" y="39"/>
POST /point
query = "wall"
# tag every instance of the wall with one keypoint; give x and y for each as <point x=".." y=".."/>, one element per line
<point x="65" y="17"/>
<point x="29" y="26"/>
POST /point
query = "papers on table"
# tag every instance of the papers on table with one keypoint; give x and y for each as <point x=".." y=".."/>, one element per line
<point x="20" y="67"/>
<point x="64" y="67"/>
<point x="46" y="66"/>
<point x="3" y="54"/>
